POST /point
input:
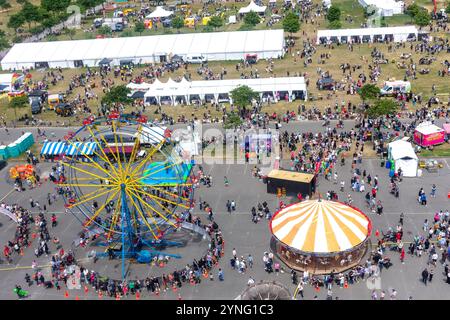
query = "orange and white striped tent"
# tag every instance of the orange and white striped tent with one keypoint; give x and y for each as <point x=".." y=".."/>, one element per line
<point x="320" y="226"/>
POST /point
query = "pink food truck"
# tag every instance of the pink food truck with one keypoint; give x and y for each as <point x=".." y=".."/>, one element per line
<point x="428" y="134"/>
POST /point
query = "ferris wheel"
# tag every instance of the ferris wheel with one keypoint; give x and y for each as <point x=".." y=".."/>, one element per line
<point x="129" y="184"/>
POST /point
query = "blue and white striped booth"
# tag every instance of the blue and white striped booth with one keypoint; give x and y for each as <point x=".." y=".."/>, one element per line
<point x="51" y="148"/>
<point x="81" y="148"/>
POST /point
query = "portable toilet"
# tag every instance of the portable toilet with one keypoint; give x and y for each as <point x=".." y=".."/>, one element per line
<point x="13" y="150"/>
<point x="3" y="153"/>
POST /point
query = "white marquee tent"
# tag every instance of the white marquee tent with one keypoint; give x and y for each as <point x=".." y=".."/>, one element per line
<point x="252" y="7"/>
<point x="159" y="12"/>
<point x="387" y="8"/>
<point x="173" y="92"/>
<point x="402" y="152"/>
<point x="214" y="46"/>
<point x="396" y="34"/>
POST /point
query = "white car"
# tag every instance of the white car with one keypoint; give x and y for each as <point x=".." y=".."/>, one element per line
<point x="195" y="59"/>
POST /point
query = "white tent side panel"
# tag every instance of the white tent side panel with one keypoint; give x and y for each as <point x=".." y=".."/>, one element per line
<point x="409" y="166"/>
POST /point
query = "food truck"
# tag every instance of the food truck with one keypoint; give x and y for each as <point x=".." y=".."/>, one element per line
<point x="427" y="134"/>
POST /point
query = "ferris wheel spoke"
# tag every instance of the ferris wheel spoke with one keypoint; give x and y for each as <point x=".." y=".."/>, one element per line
<point x="92" y="163"/>
<point x="105" y="159"/>
<point x="84" y="185"/>
<point x="92" y="198"/>
<point x="119" y="166"/>
<point x="134" y="151"/>
<point x="147" y="158"/>
<point x="114" y="219"/>
<point x="99" y="210"/>
<point x="161" y="205"/>
<point x="130" y="195"/>
<point x="154" y="172"/>
<point x="84" y="171"/>
<point x="153" y="209"/>
<point x="163" y="191"/>
<point x="159" y="198"/>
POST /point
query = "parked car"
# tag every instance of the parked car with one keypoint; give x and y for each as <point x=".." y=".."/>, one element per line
<point x="195" y="58"/>
<point x="326" y="84"/>
<point x="64" y="110"/>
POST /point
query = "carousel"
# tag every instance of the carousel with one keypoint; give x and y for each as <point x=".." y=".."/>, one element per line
<point x="320" y="236"/>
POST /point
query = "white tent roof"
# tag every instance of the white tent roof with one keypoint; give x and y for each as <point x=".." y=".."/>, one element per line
<point x="159" y="12"/>
<point x="214" y="45"/>
<point x="6" y="78"/>
<point x="401" y="149"/>
<point x="428" y="128"/>
<point x="383" y="4"/>
<point x="171" y="87"/>
<point x="252" y="7"/>
<point x="366" y="31"/>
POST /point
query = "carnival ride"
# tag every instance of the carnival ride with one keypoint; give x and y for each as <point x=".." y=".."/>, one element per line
<point x="128" y="197"/>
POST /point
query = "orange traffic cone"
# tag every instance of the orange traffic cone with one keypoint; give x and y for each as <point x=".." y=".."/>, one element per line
<point x="77" y="298"/>
<point x="66" y="294"/>
<point x="179" y="296"/>
<point x="100" y="294"/>
<point x="317" y="288"/>
<point x="377" y="233"/>
<point x="21" y="251"/>
<point x="138" y="295"/>
<point x="345" y="285"/>
<point x="117" y="296"/>
<point x="86" y="290"/>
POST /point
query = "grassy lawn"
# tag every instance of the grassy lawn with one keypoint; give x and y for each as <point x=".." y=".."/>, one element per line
<point x="350" y="8"/>
<point x="442" y="150"/>
<point x="5" y="14"/>
<point x="398" y="20"/>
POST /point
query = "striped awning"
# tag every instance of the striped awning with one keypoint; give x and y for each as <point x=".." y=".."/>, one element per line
<point x="320" y="226"/>
<point x="81" y="148"/>
<point x="51" y="148"/>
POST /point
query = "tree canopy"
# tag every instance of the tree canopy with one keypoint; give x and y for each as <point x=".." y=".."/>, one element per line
<point x="382" y="107"/>
<point x="336" y="24"/>
<point x="232" y="121"/>
<point x="139" y="27"/>
<point x="177" y="22"/>
<point x="291" y="23"/>
<point x="243" y="95"/>
<point x="117" y="94"/>
<point x="334" y="13"/>
<point x="252" y="18"/>
<point x="422" y="18"/>
<point x="215" y="22"/>
<point x="55" y="5"/>
<point x="17" y="103"/>
<point x="369" y="91"/>
<point x="104" y="30"/>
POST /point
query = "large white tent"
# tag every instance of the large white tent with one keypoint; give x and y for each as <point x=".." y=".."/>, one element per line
<point x="214" y="46"/>
<point x="214" y="90"/>
<point x="403" y="155"/>
<point x="396" y="34"/>
<point x="386" y="8"/>
<point x="252" y="7"/>
<point x="159" y="12"/>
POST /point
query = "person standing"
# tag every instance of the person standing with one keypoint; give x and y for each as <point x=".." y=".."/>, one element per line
<point x="220" y="275"/>
<point x="402" y="215"/>
<point x="425" y="275"/>
<point x="300" y="290"/>
<point x="433" y="191"/>
<point x="430" y="276"/>
<point x="250" y="261"/>
<point x="402" y="255"/>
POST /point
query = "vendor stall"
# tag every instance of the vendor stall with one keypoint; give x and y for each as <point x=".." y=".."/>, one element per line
<point x="320" y="236"/>
<point x="428" y="134"/>
<point x="402" y="154"/>
<point x="293" y="182"/>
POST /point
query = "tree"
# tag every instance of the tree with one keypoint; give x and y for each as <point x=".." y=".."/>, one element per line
<point x="243" y="95"/>
<point x="4" y="44"/>
<point x="177" y="22"/>
<point x="139" y="27"/>
<point x="104" y="30"/>
<point x="291" y="23"/>
<point x="117" y="94"/>
<point x="336" y="24"/>
<point x="413" y="9"/>
<point x="334" y="13"/>
<point x="215" y="22"/>
<point x="252" y="18"/>
<point x="18" y="103"/>
<point x="16" y="21"/>
<point x="70" y="32"/>
<point x="447" y="10"/>
<point x="30" y="13"/>
<point x="232" y="121"/>
<point x="55" y="5"/>
<point x="369" y="91"/>
<point x="381" y="108"/>
<point x="422" y="18"/>
<point x="5" y="4"/>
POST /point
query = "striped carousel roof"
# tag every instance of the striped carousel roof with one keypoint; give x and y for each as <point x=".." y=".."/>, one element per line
<point x="320" y="226"/>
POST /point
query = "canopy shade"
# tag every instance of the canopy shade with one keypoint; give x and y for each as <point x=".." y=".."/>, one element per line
<point x="321" y="227"/>
<point x="253" y="7"/>
<point x="159" y="12"/>
<point x="80" y="148"/>
<point x="53" y="148"/>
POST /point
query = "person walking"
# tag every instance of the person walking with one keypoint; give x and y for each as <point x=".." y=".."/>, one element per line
<point x="250" y="261"/>
<point x="425" y="275"/>
<point x="430" y="276"/>
<point x="433" y="191"/>
<point x="300" y="289"/>
<point x="220" y="275"/>
<point x="402" y="255"/>
<point x="402" y="215"/>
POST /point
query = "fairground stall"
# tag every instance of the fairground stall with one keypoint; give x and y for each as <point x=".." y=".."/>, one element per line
<point x="401" y="155"/>
<point x="428" y="134"/>
<point x="53" y="150"/>
<point x="292" y="182"/>
<point x="320" y="236"/>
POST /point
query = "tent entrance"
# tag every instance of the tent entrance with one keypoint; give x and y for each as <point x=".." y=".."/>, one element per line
<point x="41" y="65"/>
<point x="78" y="63"/>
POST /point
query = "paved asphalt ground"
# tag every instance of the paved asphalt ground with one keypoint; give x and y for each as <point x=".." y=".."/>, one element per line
<point x="240" y="233"/>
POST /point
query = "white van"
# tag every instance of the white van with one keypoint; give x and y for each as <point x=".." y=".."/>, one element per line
<point x="195" y="58"/>
<point x="394" y="87"/>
